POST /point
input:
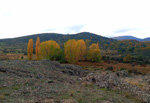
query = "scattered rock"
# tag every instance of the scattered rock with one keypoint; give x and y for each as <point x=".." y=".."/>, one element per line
<point x="50" y="81"/>
<point x="122" y="73"/>
<point x="106" y="102"/>
<point x="72" y="69"/>
<point x="110" y="68"/>
<point x="114" y="80"/>
<point x="69" y="101"/>
<point x="48" y="101"/>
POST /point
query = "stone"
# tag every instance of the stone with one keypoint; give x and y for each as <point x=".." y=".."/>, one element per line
<point x="69" y="101"/>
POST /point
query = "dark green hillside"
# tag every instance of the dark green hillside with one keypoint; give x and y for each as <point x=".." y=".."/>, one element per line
<point x="8" y="45"/>
<point x="57" y="37"/>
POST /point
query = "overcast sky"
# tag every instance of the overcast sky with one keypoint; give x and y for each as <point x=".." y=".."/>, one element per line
<point x="104" y="17"/>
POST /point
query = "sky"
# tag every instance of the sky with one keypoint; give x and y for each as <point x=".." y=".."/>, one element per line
<point x="107" y="18"/>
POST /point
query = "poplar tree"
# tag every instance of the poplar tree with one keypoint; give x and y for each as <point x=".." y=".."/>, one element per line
<point x="30" y="49"/>
<point x="81" y="49"/>
<point x="94" y="54"/>
<point x="37" y="48"/>
<point x="70" y="51"/>
<point x="47" y="49"/>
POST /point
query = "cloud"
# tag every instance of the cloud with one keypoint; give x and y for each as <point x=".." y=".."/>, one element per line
<point x="66" y="30"/>
<point x="103" y="17"/>
<point x="124" y="30"/>
<point x="49" y="30"/>
<point x="75" y="28"/>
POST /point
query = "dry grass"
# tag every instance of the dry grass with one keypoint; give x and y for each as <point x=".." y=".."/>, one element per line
<point x="135" y="82"/>
<point x="116" y="66"/>
<point x="11" y="56"/>
<point x="14" y="56"/>
<point x="86" y="84"/>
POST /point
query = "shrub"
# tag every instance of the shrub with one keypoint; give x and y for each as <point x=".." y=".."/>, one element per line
<point x="127" y="58"/>
<point x="110" y="68"/>
<point x="57" y="55"/>
<point x="94" y="55"/>
<point x="122" y="69"/>
<point x="47" y="49"/>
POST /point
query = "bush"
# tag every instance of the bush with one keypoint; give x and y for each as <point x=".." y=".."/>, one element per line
<point x="94" y="55"/>
<point x="134" y="71"/>
<point x="110" y="68"/>
<point x="127" y="58"/>
<point x="57" y="55"/>
<point x="122" y="69"/>
<point x="52" y="52"/>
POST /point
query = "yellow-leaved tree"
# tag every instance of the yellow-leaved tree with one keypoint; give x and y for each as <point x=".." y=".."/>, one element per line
<point x="81" y="49"/>
<point x="47" y="49"/>
<point x="127" y="58"/>
<point x="87" y="42"/>
<point x="94" y="46"/>
<point x="94" y="54"/>
<point x="70" y="51"/>
<point x="37" y="48"/>
<point x="30" y="49"/>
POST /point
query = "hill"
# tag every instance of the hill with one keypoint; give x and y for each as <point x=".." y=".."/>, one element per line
<point x="127" y="38"/>
<point x="21" y="42"/>
<point x="130" y="38"/>
<point x="146" y="39"/>
<point x="57" y="37"/>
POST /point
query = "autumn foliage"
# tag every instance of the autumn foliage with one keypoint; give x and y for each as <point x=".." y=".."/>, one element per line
<point x="77" y="51"/>
<point x="127" y="58"/>
<point x="94" y="54"/>
<point x="74" y="50"/>
<point x="81" y="49"/>
<point x="37" y="49"/>
<point x="70" y="51"/>
<point x="94" y="46"/>
<point x="47" y="49"/>
<point x="30" y="49"/>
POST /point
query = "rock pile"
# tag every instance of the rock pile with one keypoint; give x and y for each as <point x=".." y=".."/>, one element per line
<point x="115" y="80"/>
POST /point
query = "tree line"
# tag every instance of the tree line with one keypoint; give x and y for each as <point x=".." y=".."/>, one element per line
<point x="74" y="50"/>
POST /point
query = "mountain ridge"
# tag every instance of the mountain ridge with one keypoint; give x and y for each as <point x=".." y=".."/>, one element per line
<point x="130" y="38"/>
<point x="21" y="42"/>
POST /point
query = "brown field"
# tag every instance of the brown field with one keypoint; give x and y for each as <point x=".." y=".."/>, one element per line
<point x="116" y="66"/>
<point x="14" y="56"/>
<point x="11" y="56"/>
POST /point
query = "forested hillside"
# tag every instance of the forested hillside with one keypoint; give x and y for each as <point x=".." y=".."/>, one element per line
<point x="8" y="45"/>
<point x="58" y="37"/>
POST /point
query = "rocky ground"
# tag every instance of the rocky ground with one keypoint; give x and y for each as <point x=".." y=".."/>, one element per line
<point x="46" y="81"/>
